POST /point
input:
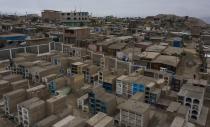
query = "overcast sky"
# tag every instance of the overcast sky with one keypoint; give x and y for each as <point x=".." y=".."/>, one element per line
<point x="121" y="8"/>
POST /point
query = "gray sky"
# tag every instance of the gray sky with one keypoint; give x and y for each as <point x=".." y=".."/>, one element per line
<point x="197" y="8"/>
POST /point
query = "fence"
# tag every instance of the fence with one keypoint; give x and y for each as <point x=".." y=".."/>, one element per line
<point x="110" y="63"/>
<point x="35" y="49"/>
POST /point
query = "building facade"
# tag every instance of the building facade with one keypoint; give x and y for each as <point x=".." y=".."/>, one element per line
<point x="192" y="97"/>
<point x="51" y="15"/>
<point x="133" y="114"/>
<point x="75" y="35"/>
<point x="75" y="18"/>
<point x="72" y="18"/>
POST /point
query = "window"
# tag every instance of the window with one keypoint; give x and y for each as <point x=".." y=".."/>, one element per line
<point x="194" y="117"/>
<point x="68" y="18"/>
<point x="188" y="99"/>
<point x="187" y="104"/>
<point x="69" y="31"/>
<point x="68" y="13"/>
<point x="194" y="112"/>
<point x="196" y="101"/>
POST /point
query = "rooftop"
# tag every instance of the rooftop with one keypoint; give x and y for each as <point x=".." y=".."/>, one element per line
<point x="131" y="78"/>
<point x="178" y="122"/>
<point x="124" y="37"/>
<point x="96" y="118"/>
<point x="36" y="69"/>
<point x="64" y="121"/>
<point x="36" y="88"/>
<point x="132" y="50"/>
<point x="145" y="79"/>
<point x="15" y="92"/>
<point x="35" y="104"/>
<point x="76" y="28"/>
<point x="55" y="98"/>
<point x="177" y="39"/>
<point x="77" y="63"/>
<point x="104" y="121"/>
<point x="173" y="51"/>
<point x="192" y="91"/>
<point x="12" y="77"/>
<point x="2" y="82"/>
<point x="200" y="82"/>
<point x="173" y="106"/>
<point x="134" y="106"/>
<point x="12" y="35"/>
<point x="47" y="120"/>
<point x="144" y="43"/>
<point x="107" y="42"/>
<point x="103" y="95"/>
<point x="121" y="77"/>
<point x="29" y="101"/>
<point x="168" y="60"/>
<point x="118" y="46"/>
<point x="149" y="55"/>
<point x="109" y="78"/>
<point x="156" y="48"/>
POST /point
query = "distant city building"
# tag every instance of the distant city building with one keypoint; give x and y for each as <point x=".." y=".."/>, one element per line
<point x="75" y="18"/>
<point x="51" y="15"/>
<point x="68" y="18"/>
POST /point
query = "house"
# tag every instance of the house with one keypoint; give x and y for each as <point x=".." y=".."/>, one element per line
<point x="74" y="35"/>
<point x="101" y="101"/>
<point x="114" y="48"/>
<point x="103" y="46"/>
<point x="193" y="97"/>
<point x="145" y="58"/>
<point x="163" y="61"/>
<point x="134" y="113"/>
<point x="128" y="54"/>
